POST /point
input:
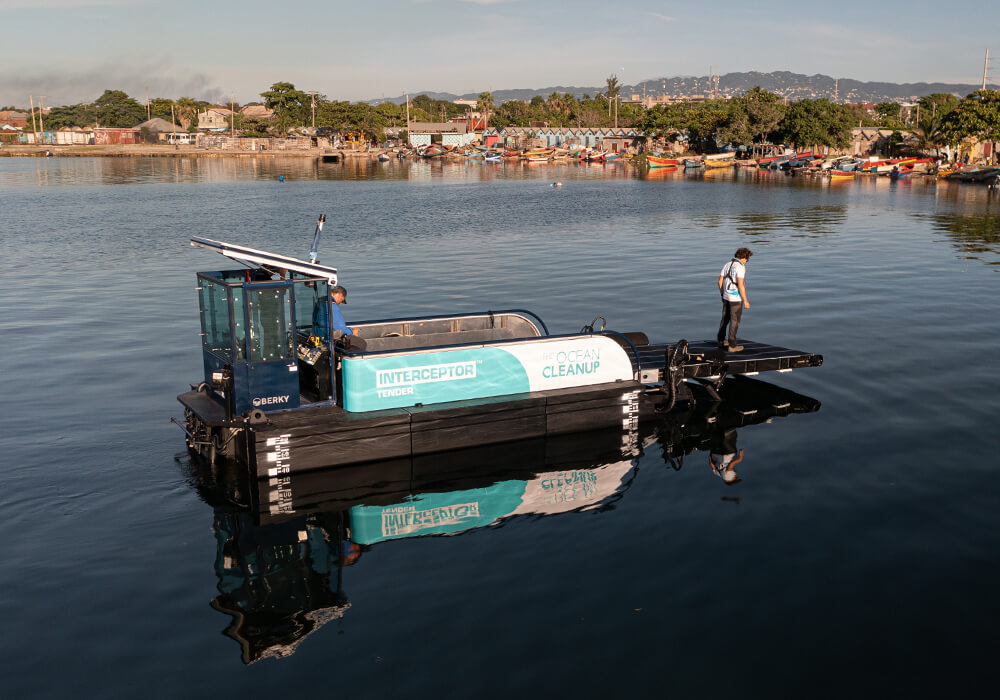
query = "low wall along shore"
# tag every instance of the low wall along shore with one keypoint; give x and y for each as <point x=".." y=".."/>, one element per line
<point x="167" y="151"/>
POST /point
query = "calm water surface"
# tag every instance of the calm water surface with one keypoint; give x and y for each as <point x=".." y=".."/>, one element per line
<point x="857" y="555"/>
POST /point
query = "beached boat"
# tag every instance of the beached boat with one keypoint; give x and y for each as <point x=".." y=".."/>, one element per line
<point x="281" y="400"/>
<point x="693" y="163"/>
<point x="720" y="160"/>
<point x="975" y="174"/>
<point x="661" y="162"/>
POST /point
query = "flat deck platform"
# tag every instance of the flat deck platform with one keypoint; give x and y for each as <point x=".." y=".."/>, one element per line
<point x="706" y="359"/>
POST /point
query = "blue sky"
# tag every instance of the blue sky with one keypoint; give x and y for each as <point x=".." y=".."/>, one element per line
<point x="71" y="50"/>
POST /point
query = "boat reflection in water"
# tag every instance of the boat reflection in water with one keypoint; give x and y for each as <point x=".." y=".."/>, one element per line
<point x="283" y="543"/>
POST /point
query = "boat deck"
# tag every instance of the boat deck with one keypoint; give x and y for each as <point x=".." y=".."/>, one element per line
<point x="706" y="359"/>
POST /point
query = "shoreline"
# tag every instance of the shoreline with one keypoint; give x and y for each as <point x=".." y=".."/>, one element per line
<point x="169" y="151"/>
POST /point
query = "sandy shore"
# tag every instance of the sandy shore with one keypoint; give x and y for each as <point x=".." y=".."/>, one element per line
<point x="165" y="151"/>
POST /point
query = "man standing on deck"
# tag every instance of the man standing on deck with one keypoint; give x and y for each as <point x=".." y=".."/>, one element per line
<point x="734" y="298"/>
<point x="327" y="318"/>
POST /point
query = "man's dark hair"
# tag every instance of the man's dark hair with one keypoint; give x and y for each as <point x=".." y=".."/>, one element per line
<point x="743" y="253"/>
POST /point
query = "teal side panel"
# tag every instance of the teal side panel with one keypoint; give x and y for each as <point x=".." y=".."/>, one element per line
<point x="436" y="513"/>
<point x="374" y="383"/>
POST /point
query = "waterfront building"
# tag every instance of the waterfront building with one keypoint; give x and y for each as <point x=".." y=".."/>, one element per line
<point x="215" y="119"/>
<point x="607" y="138"/>
<point x="13" y="118"/>
<point x="444" y="133"/>
<point x="107" y="136"/>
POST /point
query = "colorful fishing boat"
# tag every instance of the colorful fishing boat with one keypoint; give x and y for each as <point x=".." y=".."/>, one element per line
<point x="661" y="161"/>
<point x="720" y="160"/>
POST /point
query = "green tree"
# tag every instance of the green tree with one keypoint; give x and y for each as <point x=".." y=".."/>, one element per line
<point x="702" y="122"/>
<point x="79" y="115"/>
<point x="514" y="113"/>
<point x="484" y="105"/>
<point x="349" y="116"/>
<point x="289" y="105"/>
<point x="975" y="118"/>
<point x="186" y="111"/>
<point x="392" y="113"/>
<point x="160" y="107"/>
<point x="661" y="120"/>
<point x="116" y="109"/>
<point x="887" y="115"/>
<point x="937" y="104"/>
<point x="930" y="132"/>
<point x="817" y="123"/>
<point x="753" y="117"/>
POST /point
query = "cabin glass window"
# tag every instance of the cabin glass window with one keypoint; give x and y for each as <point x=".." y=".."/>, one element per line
<point x="215" y="333"/>
<point x="307" y="296"/>
<point x="271" y="324"/>
<point x="239" y="324"/>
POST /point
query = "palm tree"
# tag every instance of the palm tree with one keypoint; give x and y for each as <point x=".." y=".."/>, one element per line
<point x="187" y="112"/>
<point x="614" y="88"/>
<point x="930" y="133"/>
<point x="484" y="105"/>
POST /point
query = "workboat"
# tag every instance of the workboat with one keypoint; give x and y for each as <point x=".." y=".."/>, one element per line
<point x="281" y="400"/>
<point x="289" y="547"/>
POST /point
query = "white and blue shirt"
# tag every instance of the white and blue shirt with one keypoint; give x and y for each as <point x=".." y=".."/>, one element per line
<point x="732" y="271"/>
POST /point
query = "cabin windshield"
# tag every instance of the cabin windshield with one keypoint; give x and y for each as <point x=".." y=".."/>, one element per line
<point x="216" y="312"/>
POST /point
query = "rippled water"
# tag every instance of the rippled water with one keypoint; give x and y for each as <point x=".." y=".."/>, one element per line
<point x="857" y="555"/>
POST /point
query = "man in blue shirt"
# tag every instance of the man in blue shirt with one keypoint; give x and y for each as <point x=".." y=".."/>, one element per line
<point x="328" y="316"/>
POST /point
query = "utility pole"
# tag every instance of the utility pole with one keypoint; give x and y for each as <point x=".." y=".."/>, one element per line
<point x="986" y="65"/>
<point x="173" y="123"/>
<point x="147" y="104"/>
<point x="41" y="100"/>
<point x="313" y="94"/>
<point x="407" y="113"/>
<point x="232" y="114"/>
<point x="34" y="129"/>
<point x="836" y="89"/>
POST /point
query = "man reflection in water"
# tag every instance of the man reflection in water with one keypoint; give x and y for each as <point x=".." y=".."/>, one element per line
<point x="724" y="456"/>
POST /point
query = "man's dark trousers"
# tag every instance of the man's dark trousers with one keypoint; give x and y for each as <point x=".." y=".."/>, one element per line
<point x="732" y="312"/>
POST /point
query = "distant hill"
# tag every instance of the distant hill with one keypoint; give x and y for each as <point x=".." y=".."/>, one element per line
<point x="794" y="86"/>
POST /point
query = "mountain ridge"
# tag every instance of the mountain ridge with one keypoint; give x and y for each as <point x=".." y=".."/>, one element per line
<point x="792" y="86"/>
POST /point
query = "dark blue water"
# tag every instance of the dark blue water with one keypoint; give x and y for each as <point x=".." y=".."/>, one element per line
<point x="857" y="554"/>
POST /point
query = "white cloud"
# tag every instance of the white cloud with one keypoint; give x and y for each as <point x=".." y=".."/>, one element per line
<point x="665" y="18"/>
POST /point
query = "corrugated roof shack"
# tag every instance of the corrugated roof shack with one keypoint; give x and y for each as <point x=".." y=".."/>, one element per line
<point x="106" y="136"/>
<point x="444" y="133"/>
<point x="611" y="139"/>
<point x="157" y="129"/>
<point x="74" y="137"/>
